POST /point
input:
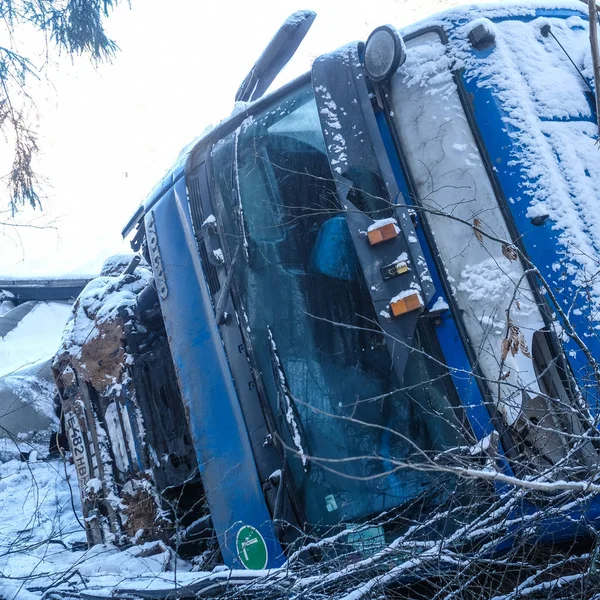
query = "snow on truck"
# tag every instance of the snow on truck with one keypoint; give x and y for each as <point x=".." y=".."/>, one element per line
<point x="384" y="265"/>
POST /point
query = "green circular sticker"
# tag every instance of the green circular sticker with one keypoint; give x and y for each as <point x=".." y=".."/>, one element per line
<point x="251" y="548"/>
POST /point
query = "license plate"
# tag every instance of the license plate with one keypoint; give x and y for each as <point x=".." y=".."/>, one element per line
<point x="77" y="444"/>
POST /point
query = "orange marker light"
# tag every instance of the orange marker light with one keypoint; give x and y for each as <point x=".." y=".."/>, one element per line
<point x="400" y="306"/>
<point x="382" y="234"/>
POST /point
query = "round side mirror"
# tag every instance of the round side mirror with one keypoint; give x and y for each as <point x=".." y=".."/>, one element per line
<point x="384" y="53"/>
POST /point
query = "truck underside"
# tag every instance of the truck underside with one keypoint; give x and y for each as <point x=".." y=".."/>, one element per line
<point x="123" y="415"/>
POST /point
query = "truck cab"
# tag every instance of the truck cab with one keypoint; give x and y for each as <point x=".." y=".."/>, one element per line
<point x="366" y="296"/>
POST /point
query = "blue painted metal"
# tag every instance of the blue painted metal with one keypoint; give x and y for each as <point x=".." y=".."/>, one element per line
<point x="217" y="426"/>
<point x="541" y="243"/>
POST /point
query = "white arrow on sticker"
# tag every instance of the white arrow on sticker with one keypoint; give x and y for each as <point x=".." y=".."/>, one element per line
<point x="247" y="543"/>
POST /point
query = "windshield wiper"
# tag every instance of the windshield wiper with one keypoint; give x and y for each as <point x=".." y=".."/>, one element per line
<point x="290" y="413"/>
<point x="287" y="404"/>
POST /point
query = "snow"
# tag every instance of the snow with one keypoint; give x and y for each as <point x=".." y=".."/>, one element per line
<point x="405" y="294"/>
<point x="6" y="302"/>
<point x="439" y="305"/>
<point x="382" y="223"/>
<point x="43" y="545"/>
<point x="218" y="254"/>
<point x="275" y="475"/>
<point x="539" y="90"/>
<point x="339" y="145"/>
<point x="5" y="306"/>
<point x="42" y="542"/>
<point x="94" y="485"/>
<point x="461" y="203"/>
<point x="35" y="338"/>
<point x="34" y="391"/>
<point x="99" y="302"/>
<point x="211" y="219"/>
<point x="485" y="444"/>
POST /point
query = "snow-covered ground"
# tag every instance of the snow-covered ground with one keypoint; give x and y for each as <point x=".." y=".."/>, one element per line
<point x="35" y="338"/>
<point x="42" y="542"/>
<point x="27" y="389"/>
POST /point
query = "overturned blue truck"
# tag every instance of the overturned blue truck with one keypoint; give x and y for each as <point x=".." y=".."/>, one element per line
<point x="353" y="295"/>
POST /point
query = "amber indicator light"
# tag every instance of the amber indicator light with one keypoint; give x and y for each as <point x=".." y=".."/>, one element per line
<point x="382" y="234"/>
<point x="406" y="305"/>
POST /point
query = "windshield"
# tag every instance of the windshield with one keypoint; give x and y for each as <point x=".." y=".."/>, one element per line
<point x="350" y="427"/>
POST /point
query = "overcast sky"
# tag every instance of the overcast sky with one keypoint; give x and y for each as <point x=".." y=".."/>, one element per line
<point x="108" y="134"/>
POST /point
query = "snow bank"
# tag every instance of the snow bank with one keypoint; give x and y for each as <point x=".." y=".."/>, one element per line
<point x="26" y="384"/>
<point x="101" y="301"/>
<point x="42" y="543"/>
<point x="35" y="338"/>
